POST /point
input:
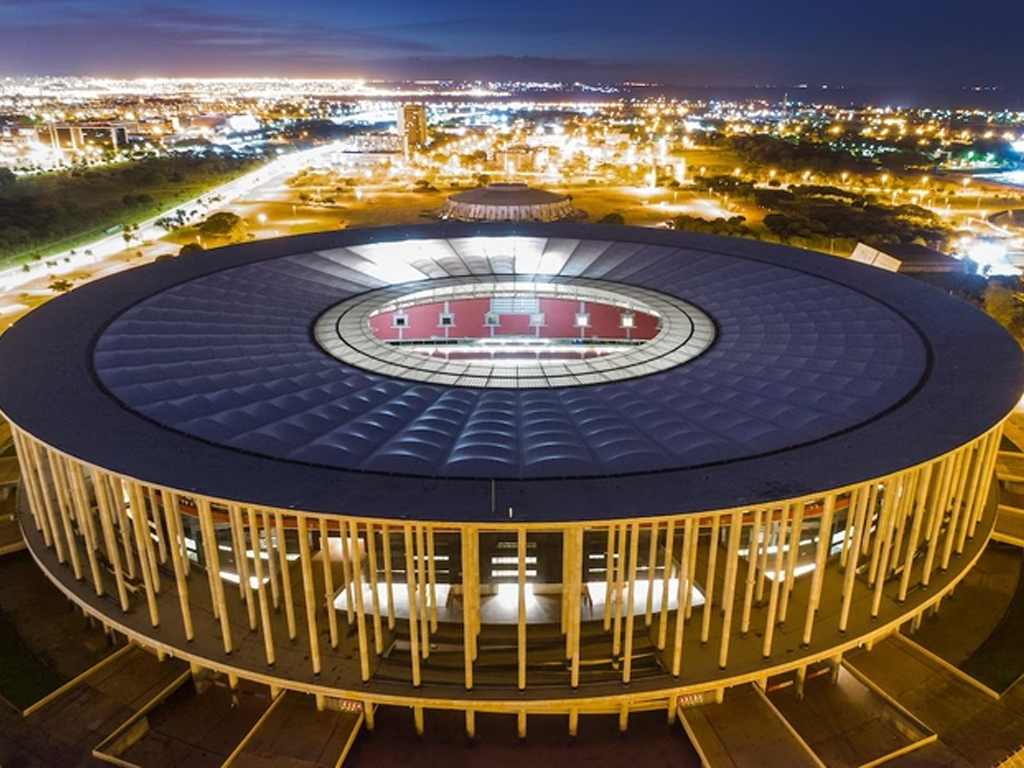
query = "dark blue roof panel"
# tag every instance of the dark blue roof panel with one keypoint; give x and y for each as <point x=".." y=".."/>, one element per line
<point x="201" y="374"/>
<point x="229" y="358"/>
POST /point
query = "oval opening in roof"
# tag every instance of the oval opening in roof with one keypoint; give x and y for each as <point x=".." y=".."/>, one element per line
<point x="515" y="333"/>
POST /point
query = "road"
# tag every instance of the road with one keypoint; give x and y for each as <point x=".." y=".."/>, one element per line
<point x="20" y="288"/>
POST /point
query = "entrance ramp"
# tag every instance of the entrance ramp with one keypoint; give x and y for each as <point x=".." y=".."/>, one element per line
<point x="848" y="723"/>
<point x="294" y="733"/>
<point x="199" y="730"/>
<point x="744" y="731"/>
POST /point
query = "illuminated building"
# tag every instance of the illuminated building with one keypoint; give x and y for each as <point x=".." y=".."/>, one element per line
<point x="412" y="126"/>
<point x="245" y="462"/>
<point x="508" y="202"/>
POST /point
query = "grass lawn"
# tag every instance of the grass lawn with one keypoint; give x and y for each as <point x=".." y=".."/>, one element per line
<point x="998" y="662"/>
<point x="24" y="679"/>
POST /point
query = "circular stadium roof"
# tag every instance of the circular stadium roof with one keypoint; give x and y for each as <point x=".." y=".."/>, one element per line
<point x="203" y="374"/>
<point x="508" y="193"/>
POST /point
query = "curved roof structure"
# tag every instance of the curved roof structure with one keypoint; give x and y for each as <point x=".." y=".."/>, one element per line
<point x="508" y="193"/>
<point x="508" y="202"/>
<point x="203" y="374"/>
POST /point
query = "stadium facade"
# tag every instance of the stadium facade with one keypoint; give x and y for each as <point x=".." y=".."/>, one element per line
<point x="519" y="468"/>
<point x="508" y="201"/>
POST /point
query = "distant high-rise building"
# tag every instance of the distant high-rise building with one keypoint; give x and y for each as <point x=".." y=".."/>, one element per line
<point x="412" y="126"/>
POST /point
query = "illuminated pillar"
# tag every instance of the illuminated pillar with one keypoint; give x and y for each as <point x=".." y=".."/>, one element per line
<point x="924" y="481"/>
<point x="385" y="535"/>
<point x="773" y="600"/>
<point x="937" y="513"/>
<point x="83" y="513"/>
<point x="709" y="581"/>
<point x="986" y="479"/>
<point x="213" y="569"/>
<point x="141" y="534"/>
<point x="521" y="616"/>
<point x="620" y="592"/>
<point x="753" y="548"/>
<point x="357" y="586"/>
<point x="113" y="552"/>
<point x="732" y="565"/>
<point x="634" y="541"/>
<point x="242" y="563"/>
<point x="325" y="554"/>
<point x="29" y="480"/>
<point x="286" y="580"/>
<point x="56" y="477"/>
<point x="796" y="531"/>
<point x="684" y="590"/>
<point x="575" y="560"/>
<point x="261" y="590"/>
<point x="432" y="577"/>
<point x="818" y="577"/>
<point x="666" y="576"/>
<point x="51" y="516"/>
<point x="410" y="577"/>
<point x="609" y="573"/>
<point x="268" y="539"/>
<point x="309" y="596"/>
<point x="371" y="552"/>
<point x="652" y="567"/>
<point x="850" y="574"/>
<point x="423" y="607"/>
<point x="467" y="621"/>
<point x="178" y="555"/>
<point x="346" y="568"/>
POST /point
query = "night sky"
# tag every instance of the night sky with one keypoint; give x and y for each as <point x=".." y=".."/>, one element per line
<point x="904" y="43"/>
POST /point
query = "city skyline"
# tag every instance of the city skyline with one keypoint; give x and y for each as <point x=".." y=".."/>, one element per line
<point x="784" y="44"/>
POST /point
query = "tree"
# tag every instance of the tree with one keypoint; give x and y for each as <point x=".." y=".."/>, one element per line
<point x="224" y="224"/>
<point x="731" y="227"/>
<point x="612" y="218"/>
<point x="188" y="248"/>
<point x="1004" y="305"/>
<point x="781" y="225"/>
<point x="61" y="286"/>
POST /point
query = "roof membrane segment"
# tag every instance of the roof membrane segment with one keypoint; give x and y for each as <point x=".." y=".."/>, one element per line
<point x="971" y="379"/>
<point x="228" y="358"/>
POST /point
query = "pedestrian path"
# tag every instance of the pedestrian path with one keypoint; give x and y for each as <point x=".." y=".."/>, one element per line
<point x="846" y="723"/>
<point x="294" y="732"/>
<point x="744" y="730"/>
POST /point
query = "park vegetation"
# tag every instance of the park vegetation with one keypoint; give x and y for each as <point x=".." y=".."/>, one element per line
<point x="49" y="212"/>
<point x="818" y="217"/>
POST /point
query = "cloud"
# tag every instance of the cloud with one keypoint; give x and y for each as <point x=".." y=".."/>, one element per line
<point x="83" y="37"/>
<point x="745" y="41"/>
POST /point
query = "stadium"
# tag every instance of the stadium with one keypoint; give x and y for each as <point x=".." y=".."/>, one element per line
<point x="508" y="202"/>
<point x="531" y="469"/>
